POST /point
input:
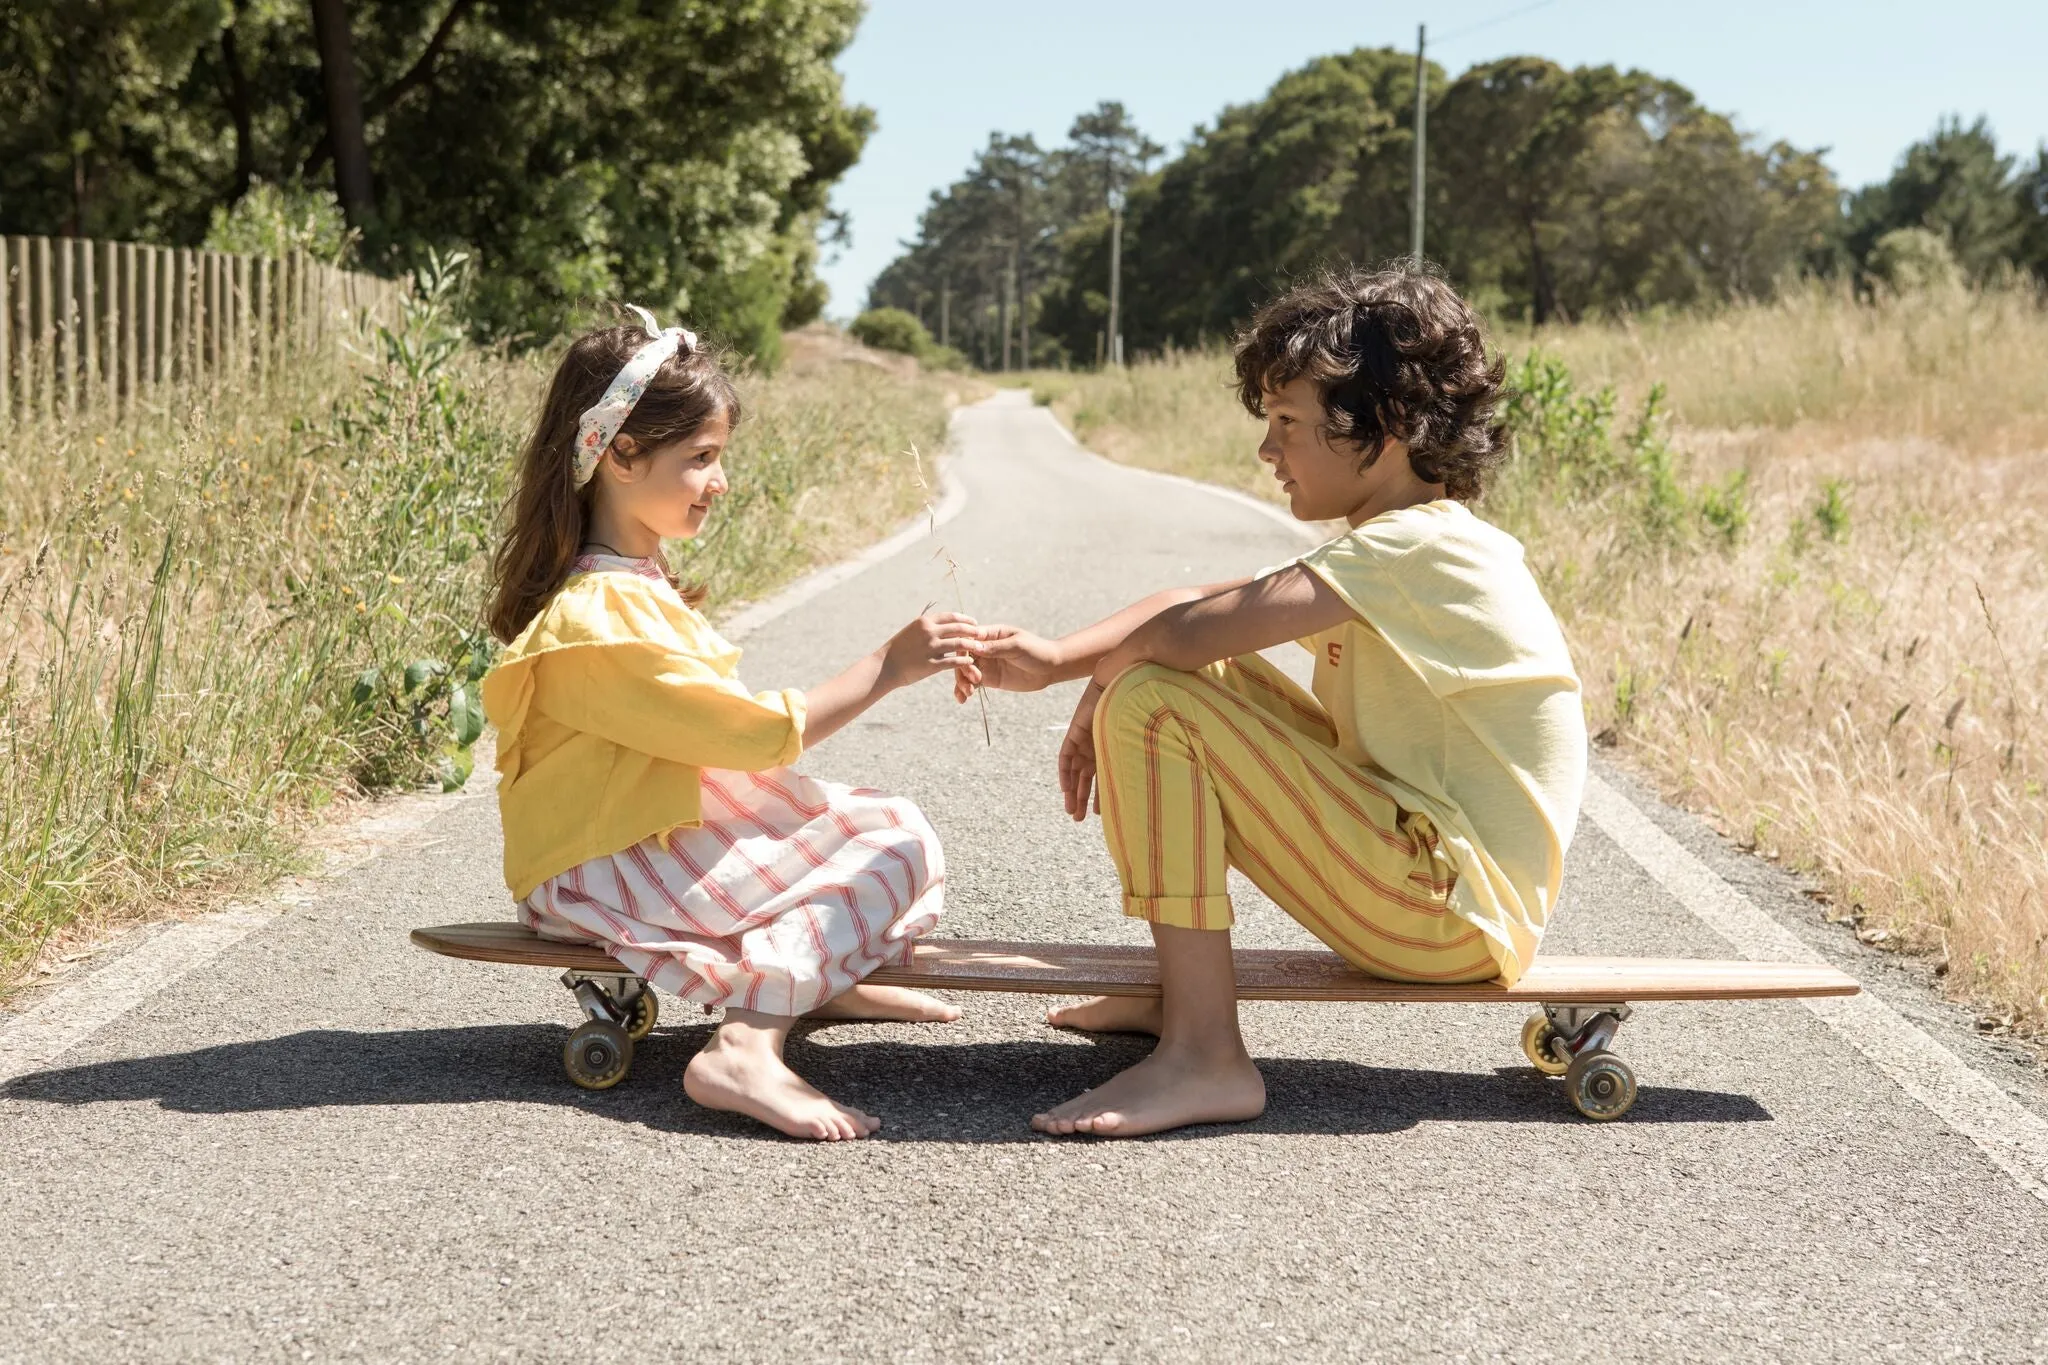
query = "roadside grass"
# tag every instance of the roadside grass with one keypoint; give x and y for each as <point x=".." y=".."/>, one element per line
<point x="1806" y="585"/>
<point x="223" y="616"/>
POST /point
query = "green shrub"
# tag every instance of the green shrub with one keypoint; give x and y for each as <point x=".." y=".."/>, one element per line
<point x="892" y="329"/>
<point x="275" y="220"/>
<point x="1914" y="260"/>
<point x="1567" y="447"/>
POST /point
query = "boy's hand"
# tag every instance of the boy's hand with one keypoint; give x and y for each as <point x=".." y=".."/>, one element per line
<point x="1012" y="660"/>
<point x="930" y="644"/>
<point x="1077" y="757"/>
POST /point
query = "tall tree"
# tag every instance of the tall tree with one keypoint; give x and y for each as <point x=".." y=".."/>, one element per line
<point x="678" y="153"/>
<point x="2030" y="188"/>
<point x="1954" y="183"/>
<point x="344" y="109"/>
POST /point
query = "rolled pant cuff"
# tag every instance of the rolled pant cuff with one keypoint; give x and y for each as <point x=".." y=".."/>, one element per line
<point x="1182" y="912"/>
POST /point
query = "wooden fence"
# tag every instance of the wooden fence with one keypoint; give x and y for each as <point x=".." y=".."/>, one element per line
<point x="99" y="326"/>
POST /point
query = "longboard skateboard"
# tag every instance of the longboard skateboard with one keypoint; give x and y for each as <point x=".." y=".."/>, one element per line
<point x="1581" y="1001"/>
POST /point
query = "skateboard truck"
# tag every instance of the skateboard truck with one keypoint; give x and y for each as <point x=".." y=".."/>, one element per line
<point x="1572" y="1041"/>
<point x="619" y="1011"/>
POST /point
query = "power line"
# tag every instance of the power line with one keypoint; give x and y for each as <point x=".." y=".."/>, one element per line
<point x="1496" y="19"/>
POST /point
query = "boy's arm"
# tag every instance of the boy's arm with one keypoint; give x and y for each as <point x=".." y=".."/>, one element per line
<point x="1242" y="620"/>
<point x="1014" y="660"/>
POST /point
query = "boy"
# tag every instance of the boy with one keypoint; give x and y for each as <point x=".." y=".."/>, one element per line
<point x="1414" y="813"/>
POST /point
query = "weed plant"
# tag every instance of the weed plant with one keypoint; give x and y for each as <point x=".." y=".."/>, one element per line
<point x="222" y="615"/>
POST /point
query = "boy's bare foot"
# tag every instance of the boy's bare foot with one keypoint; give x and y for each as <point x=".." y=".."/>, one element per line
<point x="740" y="1071"/>
<point x="886" y="1002"/>
<point x="1169" y="1089"/>
<point x="1110" y="1014"/>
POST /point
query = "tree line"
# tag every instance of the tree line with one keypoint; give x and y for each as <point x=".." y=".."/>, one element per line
<point x="677" y="152"/>
<point x="1552" y="194"/>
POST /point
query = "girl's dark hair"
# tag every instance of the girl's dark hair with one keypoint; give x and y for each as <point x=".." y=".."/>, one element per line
<point x="1394" y="353"/>
<point x="548" y="514"/>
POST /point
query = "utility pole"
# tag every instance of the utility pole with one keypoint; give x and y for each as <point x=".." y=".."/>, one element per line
<point x="1116" y="276"/>
<point x="1421" y="134"/>
<point x="1024" y="311"/>
<point x="1009" y="292"/>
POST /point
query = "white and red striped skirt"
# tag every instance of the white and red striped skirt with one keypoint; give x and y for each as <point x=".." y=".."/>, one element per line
<point x="789" y="892"/>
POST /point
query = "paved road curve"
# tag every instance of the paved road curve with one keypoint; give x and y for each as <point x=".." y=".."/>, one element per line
<point x="324" y="1144"/>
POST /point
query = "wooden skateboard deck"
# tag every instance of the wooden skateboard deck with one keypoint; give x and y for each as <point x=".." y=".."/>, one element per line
<point x="1581" y="1001"/>
<point x="1262" y="973"/>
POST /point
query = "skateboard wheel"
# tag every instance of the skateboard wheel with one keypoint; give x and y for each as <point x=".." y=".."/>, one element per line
<point x="1539" y="1041"/>
<point x="1601" y="1085"/>
<point x="597" y="1055"/>
<point x="641" y="1014"/>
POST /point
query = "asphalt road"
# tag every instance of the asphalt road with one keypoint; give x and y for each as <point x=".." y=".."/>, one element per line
<point x="324" y="1144"/>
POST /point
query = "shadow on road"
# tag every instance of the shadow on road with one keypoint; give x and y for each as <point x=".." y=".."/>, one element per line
<point x="926" y="1092"/>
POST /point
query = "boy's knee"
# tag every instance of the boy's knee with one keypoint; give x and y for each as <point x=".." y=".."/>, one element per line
<point x="1140" y="689"/>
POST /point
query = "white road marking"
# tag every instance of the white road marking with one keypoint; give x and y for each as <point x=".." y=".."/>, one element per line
<point x="2012" y="1136"/>
<point x="1302" y="530"/>
<point x="71" y="1013"/>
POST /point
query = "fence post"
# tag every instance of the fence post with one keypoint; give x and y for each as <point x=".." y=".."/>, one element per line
<point x="213" y="315"/>
<point x="88" y="296"/>
<point x="67" y="327"/>
<point x="244" y="351"/>
<point x="17" y="319"/>
<point x="129" y="321"/>
<point x="46" y="337"/>
<point x="150" y="316"/>
<point x="266" y="327"/>
<point x="110" y="325"/>
<point x="7" y="290"/>
<point x="192" y="268"/>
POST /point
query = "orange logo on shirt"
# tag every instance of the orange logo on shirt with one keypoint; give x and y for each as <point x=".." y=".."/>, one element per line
<point x="1336" y="653"/>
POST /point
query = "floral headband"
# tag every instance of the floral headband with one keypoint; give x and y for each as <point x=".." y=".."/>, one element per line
<point x="601" y="420"/>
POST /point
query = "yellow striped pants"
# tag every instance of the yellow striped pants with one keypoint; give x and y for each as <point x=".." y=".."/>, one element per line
<point x="1235" y="766"/>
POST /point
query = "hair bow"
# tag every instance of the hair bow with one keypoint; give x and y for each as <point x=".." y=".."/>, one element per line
<point x="601" y="421"/>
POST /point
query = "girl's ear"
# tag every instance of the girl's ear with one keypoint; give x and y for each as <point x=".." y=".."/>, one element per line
<point x="625" y="464"/>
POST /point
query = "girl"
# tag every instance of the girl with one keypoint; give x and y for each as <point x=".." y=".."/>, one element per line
<point x="645" y="795"/>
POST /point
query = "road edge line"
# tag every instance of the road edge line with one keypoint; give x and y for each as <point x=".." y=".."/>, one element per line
<point x="2012" y="1136"/>
<point x="71" y="1013"/>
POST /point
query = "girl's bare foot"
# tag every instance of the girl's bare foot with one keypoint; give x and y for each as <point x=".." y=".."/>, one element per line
<point x="886" y="1002"/>
<point x="741" y="1070"/>
<point x="1110" y="1014"/>
<point x="1169" y="1089"/>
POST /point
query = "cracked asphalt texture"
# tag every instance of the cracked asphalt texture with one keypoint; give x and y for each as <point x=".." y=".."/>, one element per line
<point x="325" y="1144"/>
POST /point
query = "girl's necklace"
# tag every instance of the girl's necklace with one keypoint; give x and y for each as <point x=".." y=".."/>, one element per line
<point x="600" y="545"/>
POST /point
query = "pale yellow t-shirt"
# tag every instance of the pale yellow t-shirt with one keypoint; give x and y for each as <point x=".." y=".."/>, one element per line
<point x="1454" y="687"/>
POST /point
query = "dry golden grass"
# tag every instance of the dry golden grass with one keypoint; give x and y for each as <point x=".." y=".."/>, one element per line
<point x="1964" y="368"/>
<point x="1854" y="682"/>
<point x="189" y="602"/>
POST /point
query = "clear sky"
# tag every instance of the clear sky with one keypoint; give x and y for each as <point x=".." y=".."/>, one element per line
<point x="1864" y="79"/>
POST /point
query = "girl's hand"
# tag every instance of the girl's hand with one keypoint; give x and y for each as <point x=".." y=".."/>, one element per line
<point x="930" y="644"/>
<point x="1077" y="757"/>
<point x="1010" y="660"/>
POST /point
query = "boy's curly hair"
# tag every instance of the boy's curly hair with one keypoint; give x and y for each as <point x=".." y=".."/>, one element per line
<point x="1395" y="353"/>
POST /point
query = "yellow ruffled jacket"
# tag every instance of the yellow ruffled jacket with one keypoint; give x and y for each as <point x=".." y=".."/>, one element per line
<point x="607" y="706"/>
